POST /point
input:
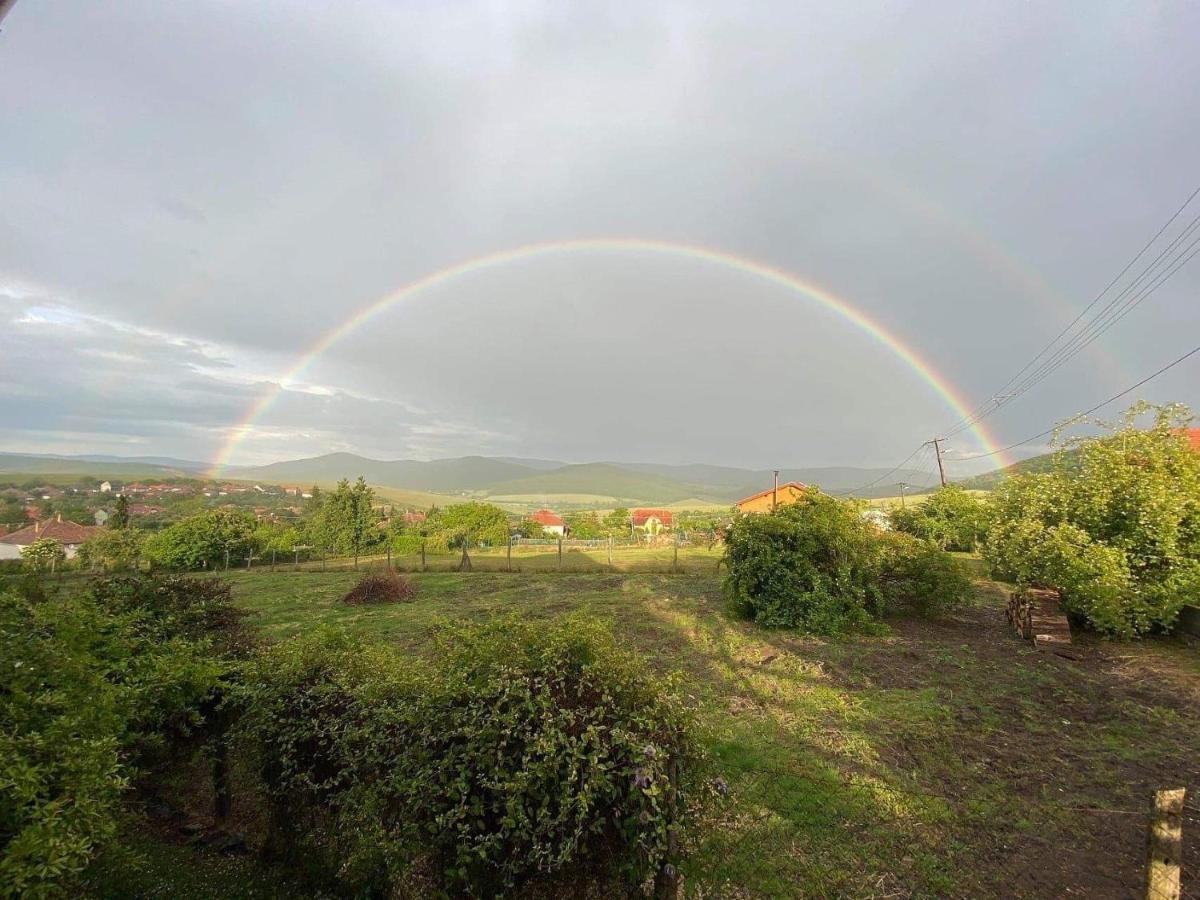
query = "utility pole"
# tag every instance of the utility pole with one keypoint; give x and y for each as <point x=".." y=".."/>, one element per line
<point x="903" y="488"/>
<point x="937" y="451"/>
<point x="775" y="493"/>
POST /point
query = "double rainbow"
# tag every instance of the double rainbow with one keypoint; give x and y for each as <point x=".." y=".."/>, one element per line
<point x="767" y="273"/>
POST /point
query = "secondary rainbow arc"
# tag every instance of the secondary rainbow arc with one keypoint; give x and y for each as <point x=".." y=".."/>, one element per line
<point x="924" y="369"/>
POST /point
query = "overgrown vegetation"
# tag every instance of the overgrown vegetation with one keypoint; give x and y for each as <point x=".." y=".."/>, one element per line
<point x="94" y="686"/>
<point x="817" y="566"/>
<point x="517" y="751"/>
<point x="1115" y="525"/>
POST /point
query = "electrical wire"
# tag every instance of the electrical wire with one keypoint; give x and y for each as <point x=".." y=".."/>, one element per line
<point x="1086" y="412"/>
<point x="999" y="398"/>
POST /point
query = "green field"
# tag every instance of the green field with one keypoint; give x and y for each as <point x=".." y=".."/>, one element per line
<point x="921" y="763"/>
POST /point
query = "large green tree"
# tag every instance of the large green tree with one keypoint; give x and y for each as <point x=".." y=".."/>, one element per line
<point x="203" y="540"/>
<point x="346" y="521"/>
<point x="1114" y="524"/>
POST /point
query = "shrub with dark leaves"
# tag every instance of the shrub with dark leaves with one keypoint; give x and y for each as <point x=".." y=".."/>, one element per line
<point x="381" y="587"/>
<point x="518" y="751"/>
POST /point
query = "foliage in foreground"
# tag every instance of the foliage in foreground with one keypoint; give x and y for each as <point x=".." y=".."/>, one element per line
<point x="816" y="565"/>
<point x="91" y="687"/>
<point x="1115" y="526"/>
<point x="520" y="750"/>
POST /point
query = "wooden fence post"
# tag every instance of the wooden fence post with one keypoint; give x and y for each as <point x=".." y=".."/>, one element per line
<point x="389" y="546"/>
<point x="610" y="543"/>
<point x="675" y="563"/>
<point x="296" y="562"/>
<point x="510" y="553"/>
<point x="322" y="559"/>
<point x="422" y="556"/>
<point x="560" y="553"/>
<point x="226" y="559"/>
<point x="464" y="564"/>
<point x="272" y="559"/>
<point x="1165" y="845"/>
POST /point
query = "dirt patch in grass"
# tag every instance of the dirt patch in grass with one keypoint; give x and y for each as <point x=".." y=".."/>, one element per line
<point x="1048" y="764"/>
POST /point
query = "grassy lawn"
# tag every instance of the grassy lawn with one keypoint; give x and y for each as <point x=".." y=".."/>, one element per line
<point x="945" y="759"/>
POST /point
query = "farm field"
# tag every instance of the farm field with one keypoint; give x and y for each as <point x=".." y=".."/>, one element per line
<point x="943" y="759"/>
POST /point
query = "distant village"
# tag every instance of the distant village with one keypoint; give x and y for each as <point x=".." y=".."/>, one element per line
<point x="70" y="513"/>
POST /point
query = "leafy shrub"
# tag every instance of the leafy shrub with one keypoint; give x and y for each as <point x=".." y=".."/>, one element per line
<point x="112" y="548"/>
<point x="916" y="577"/>
<point x="518" y="750"/>
<point x="202" y="540"/>
<point x="818" y="566"/>
<point x="198" y="609"/>
<point x="1114" y="525"/>
<point x="951" y="517"/>
<point x="810" y="565"/>
<point x="86" y="692"/>
<point x="380" y="587"/>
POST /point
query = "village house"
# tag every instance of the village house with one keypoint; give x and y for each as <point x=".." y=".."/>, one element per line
<point x="765" y="501"/>
<point x="69" y="534"/>
<point x="144" y="509"/>
<point x="413" y="517"/>
<point x="105" y="487"/>
<point x="551" y="523"/>
<point x="651" y="521"/>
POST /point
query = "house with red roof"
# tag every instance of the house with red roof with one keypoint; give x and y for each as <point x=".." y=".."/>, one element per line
<point x="551" y="523"/>
<point x="1193" y="436"/>
<point x="651" y="521"/>
<point x="69" y="534"/>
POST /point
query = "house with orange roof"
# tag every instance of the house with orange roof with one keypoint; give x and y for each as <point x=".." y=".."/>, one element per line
<point x="765" y="501"/>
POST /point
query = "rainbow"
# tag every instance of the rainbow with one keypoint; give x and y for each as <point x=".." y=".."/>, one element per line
<point x="760" y="270"/>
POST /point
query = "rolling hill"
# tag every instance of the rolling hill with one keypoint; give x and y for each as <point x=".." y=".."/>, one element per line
<point x="509" y="479"/>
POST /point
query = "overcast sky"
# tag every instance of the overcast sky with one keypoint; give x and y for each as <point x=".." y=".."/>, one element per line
<point x="191" y="194"/>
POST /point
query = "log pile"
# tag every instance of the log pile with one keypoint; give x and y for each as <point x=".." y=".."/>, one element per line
<point x="1036" y="614"/>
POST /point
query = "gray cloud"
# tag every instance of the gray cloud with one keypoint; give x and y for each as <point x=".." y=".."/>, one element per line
<point x="227" y="183"/>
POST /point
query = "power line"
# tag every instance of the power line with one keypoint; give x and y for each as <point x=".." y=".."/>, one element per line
<point x="1086" y="412"/>
<point x="1179" y="262"/>
<point x="1000" y="399"/>
<point x="871" y="484"/>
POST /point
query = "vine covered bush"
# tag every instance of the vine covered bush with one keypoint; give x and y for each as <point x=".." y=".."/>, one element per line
<point x="517" y="751"/>
<point x="1114" y="525"/>
<point x="817" y="566"/>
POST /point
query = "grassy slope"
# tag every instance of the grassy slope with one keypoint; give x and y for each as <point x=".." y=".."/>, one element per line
<point x="923" y="763"/>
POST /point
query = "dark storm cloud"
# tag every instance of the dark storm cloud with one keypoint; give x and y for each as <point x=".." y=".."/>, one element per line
<point x="241" y="178"/>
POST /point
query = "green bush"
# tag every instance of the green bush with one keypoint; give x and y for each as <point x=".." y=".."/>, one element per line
<point x="87" y="691"/>
<point x="816" y="565"/>
<point x="951" y="517"/>
<point x="202" y="540"/>
<point x="520" y="750"/>
<point x="810" y="565"/>
<point x="918" y="578"/>
<point x="1114" y="525"/>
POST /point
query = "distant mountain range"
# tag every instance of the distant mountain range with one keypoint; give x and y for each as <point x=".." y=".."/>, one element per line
<point x="501" y="477"/>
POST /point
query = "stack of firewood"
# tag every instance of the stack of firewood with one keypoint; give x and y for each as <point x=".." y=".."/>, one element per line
<point x="1037" y="615"/>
